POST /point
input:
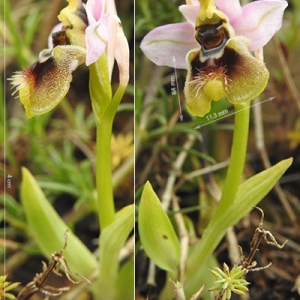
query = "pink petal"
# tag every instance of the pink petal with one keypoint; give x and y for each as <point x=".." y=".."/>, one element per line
<point x="232" y="8"/>
<point x="96" y="41"/>
<point x="259" y="21"/>
<point x="112" y="23"/>
<point x="111" y="45"/>
<point x="164" y="42"/>
<point x="110" y="7"/>
<point x="121" y="51"/>
<point x="190" y="12"/>
<point x="94" y="10"/>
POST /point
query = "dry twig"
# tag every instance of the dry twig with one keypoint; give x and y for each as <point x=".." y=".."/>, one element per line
<point x="38" y="284"/>
<point x="260" y="233"/>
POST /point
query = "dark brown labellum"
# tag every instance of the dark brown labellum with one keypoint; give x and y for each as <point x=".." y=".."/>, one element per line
<point x="60" y="38"/>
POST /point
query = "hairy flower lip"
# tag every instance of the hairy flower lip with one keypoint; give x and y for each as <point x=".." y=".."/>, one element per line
<point x="236" y="74"/>
<point x="42" y="78"/>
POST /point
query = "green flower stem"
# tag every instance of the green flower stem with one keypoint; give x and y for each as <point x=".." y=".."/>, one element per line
<point x="211" y="237"/>
<point x="103" y="161"/>
<point x="106" y="209"/>
<point x="105" y="107"/>
<point x="237" y="159"/>
<point x="101" y="96"/>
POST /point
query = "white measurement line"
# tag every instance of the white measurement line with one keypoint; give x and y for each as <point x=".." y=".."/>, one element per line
<point x="199" y="126"/>
<point x="180" y="110"/>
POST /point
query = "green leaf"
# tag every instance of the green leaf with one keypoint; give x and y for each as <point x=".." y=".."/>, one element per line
<point x="112" y="240"/>
<point x="249" y="194"/>
<point x="157" y="233"/>
<point x="125" y="281"/>
<point x="48" y="228"/>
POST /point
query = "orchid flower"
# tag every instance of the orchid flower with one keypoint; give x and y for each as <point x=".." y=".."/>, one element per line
<point x="85" y="32"/>
<point x="214" y="44"/>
